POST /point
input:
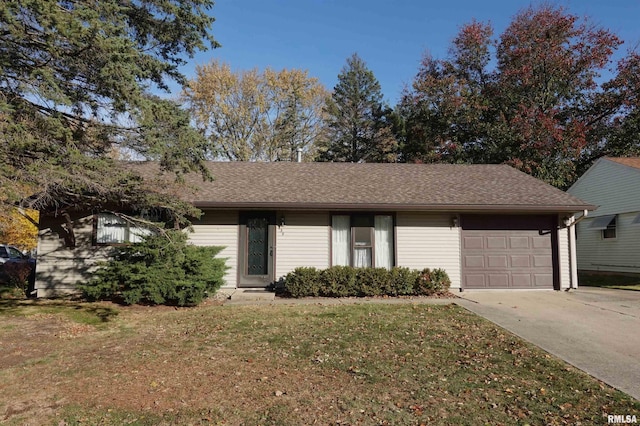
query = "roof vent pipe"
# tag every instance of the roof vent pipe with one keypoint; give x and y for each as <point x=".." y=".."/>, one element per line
<point x="299" y="155"/>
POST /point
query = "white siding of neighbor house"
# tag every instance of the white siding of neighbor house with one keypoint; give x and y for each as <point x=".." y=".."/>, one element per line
<point x="59" y="267"/>
<point x="620" y="254"/>
<point x="615" y="189"/>
<point x="426" y="240"/>
<point x="219" y="228"/>
<point x="304" y="240"/>
<point x="564" y="257"/>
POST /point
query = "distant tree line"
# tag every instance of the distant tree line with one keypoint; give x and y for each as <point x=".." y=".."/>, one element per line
<point x="78" y="82"/>
<point x="534" y="98"/>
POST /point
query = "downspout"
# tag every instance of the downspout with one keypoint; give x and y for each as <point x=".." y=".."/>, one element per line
<point x="573" y="261"/>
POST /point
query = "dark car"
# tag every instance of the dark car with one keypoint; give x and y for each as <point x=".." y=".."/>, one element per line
<point x="10" y="255"/>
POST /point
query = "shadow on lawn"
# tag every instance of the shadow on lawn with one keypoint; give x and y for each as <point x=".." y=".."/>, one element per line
<point x="610" y="280"/>
<point x="81" y="311"/>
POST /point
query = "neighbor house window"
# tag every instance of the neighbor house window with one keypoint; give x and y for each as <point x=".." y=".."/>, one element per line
<point x="112" y="229"/>
<point x="362" y="240"/>
<point x="610" y="230"/>
<point x="606" y="225"/>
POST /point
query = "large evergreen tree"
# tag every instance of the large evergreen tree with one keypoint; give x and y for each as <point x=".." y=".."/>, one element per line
<point x="76" y="79"/>
<point x="540" y="105"/>
<point x="359" y="127"/>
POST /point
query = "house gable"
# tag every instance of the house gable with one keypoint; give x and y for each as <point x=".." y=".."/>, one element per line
<point x="612" y="184"/>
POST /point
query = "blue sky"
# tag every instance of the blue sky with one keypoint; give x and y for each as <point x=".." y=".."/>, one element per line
<point x="390" y="36"/>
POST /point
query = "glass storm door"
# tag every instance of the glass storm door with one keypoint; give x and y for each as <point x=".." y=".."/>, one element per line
<point x="256" y="238"/>
<point x="257" y="246"/>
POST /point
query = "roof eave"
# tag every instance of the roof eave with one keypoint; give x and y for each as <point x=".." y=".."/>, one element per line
<point x="466" y="208"/>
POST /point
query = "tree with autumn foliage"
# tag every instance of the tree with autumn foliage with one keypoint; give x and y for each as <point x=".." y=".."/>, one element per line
<point x="534" y="98"/>
<point x="253" y="115"/>
<point x="20" y="228"/>
<point x="360" y="125"/>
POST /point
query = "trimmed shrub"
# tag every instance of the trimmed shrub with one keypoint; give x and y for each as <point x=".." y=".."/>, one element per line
<point x="345" y="281"/>
<point x="163" y="269"/>
<point x="402" y="281"/>
<point x="372" y="281"/>
<point x="432" y="282"/>
<point x="339" y="281"/>
<point x="302" y="282"/>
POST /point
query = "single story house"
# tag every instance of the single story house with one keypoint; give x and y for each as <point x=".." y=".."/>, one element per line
<point x="488" y="226"/>
<point x="609" y="239"/>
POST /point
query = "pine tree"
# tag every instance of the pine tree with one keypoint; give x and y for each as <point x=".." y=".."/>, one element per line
<point x="358" y="125"/>
<point x="76" y="85"/>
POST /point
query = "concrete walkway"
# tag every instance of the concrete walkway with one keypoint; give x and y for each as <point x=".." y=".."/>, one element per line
<point x="594" y="329"/>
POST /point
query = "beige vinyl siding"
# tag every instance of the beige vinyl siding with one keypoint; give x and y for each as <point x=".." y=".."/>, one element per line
<point x="426" y="240"/>
<point x="620" y="254"/>
<point x="58" y="267"/>
<point x="304" y="240"/>
<point x="563" y="257"/>
<point x="219" y="228"/>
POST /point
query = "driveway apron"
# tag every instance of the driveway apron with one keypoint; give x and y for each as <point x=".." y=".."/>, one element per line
<point x="594" y="329"/>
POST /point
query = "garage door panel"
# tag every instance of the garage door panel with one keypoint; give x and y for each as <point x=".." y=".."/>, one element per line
<point x="474" y="261"/>
<point x="496" y="242"/>
<point x="521" y="280"/>
<point x="543" y="280"/>
<point x="499" y="257"/>
<point x="520" y="261"/>
<point x="475" y="281"/>
<point x="498" y="280"/>
<point x="499" y="261"/>
<point x="519" y="242"/>
<point x="472" y="243"/>
<point x="542" y="261"/>
<point x="542" y="242"/>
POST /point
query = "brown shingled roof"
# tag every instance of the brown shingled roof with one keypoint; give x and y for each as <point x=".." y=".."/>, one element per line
<point x="372" y="186"/>
<point x="627" y="161"/>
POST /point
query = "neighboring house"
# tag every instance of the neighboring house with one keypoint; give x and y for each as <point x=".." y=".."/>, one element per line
<point x="609" y="238"/>
<point x="488" y="226"/>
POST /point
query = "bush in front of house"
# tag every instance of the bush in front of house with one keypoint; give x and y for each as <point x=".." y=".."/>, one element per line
<point x="304" y="282"/>
<point x="163" y="269"/>
<point x="338" y="281"/>
<point x="20" y="276"/>
<point x="402" y="281"/>
<point x="432" y="282"/>
<point x="346" y="281"/>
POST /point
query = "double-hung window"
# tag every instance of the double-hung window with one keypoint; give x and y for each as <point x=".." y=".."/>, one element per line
<point x="362" y="240"/>
<point x="112" y="229"/>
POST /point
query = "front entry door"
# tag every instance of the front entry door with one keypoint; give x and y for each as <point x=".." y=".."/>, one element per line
<point x="257" y="243"/>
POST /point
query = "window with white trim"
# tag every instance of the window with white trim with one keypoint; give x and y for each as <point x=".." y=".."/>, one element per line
<point x="112" y="229"/>
<point x="362" y="240"/>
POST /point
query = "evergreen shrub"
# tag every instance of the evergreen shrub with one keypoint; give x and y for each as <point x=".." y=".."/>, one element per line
<point x="161" y="270"/>
<point x="346" y="281"/>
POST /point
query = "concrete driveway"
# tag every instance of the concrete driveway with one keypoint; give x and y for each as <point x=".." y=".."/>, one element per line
<point x="596" y="330"/>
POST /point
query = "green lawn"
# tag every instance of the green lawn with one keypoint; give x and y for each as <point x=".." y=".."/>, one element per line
<point x="285" y="365"/>
<point x="623" y="282"/>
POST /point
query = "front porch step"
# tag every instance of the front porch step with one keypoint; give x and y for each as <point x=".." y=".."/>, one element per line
<point x="251" y="294"/>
